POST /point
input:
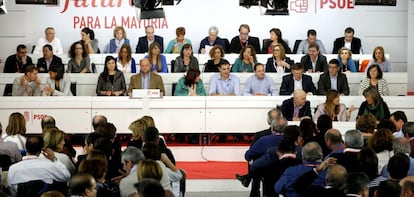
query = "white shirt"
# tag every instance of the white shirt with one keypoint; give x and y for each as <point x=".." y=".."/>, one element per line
<point x="126" y="69"/>
<point x="56" y="45"/>
<point x="398" y="134"/>
<point x="65" y="160"/>
<point x="34" y="168"/>
<point x="18" y="139"/>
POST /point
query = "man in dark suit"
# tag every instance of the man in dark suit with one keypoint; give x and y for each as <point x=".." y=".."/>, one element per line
<point x="314" y="61"/>
<point x="333" y="80"/>
<point x="141" y="81"/>
<point x="145" y="41"/>
<point x="242" y="40"/>
<point x="296" y="107"/>
<point x="354" y="142"/>
<point x="48" y="59"/>
<point x="17" y="63"/>
<point x="297" y="80"/>
<point x="348" y="41"/>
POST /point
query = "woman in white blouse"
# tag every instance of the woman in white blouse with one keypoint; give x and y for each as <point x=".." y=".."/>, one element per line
<point x="374" y="79"/>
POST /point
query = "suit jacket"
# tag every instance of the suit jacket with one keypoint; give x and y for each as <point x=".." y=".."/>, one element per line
<point x="288" y="85"/>
<point x="304" y="187"/>
<point x="126" y="186"/>
<point x="142" y="46"/>
<point x="236" y="47"/>
<point x="155" y="82"/>
<point x="340" y="42"/>
<point x="321" y="63"/>
<point x="324" y="84"/>
<point x="12" y="65"/>
<point x="269" y="42"/>
<point x="288" y="109"/>
<point x="42" y="65"/>
<point x="205" y="42"/>
<point x="260" y="134"/>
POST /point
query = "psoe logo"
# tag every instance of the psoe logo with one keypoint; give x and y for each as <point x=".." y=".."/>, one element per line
<point x="302" y="6"/>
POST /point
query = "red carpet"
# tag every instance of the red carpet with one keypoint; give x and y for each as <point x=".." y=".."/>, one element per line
<point x="213" y="169"/>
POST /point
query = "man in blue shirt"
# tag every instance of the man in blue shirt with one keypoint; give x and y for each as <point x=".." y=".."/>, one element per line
<point x="259" y="84"/>
<point x="224" y="83"/>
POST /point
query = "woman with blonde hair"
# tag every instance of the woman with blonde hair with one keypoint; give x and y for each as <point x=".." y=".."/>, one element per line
<point x="279" y="62"/>
<point x="378" y="57"/>
<point x="55" y="140"/>
<point x="374" y="104"/>
<point x="15" y="131"/>
<point x="157" y="60"/>
<point x="333" y="108"/>
<point x="118" y="40"/>
<point x="346" y="63"/>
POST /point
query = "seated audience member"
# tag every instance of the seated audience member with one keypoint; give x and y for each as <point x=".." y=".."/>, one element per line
<point x="308" y="129"/>
<point x="354" y="142"/>
<point x="190" y="84"/>
<point x="54" y="139"/>
<point x="158" y="60"/>
<point x="374" y="104"/>
<point x="357" y="184"/>
<point x="79" y="61"/>
<point x="346" y="63"/>
<point x="388" y="188"/>
<point x="381" y="142"/>
<point x="146" y="79"/>
<point x="348" y="41"/>
<point x="312" y="156"/>
<point x="118" y="40"/>
<point x="333" y="80"/>
<point x="333" y="108"/>
<point x="224" y="83"/>
<point x="49" y="39"/>
<point x="216" y="54"/>
<point x="241" y="41"/>
<point x="88" y="147"/>
<point x="176" y="45"/>
<point x="279" y="62"/>
<point x="104" y="187"/>
<point x="374" y="79"/>
<point x="246" y="60"/>
<point x="398" y="118"/>
<point x="28" y="84"/>
<point x="58" y="84"/>
<point x="400" y="145"/>
<point x="89" y="41"/>
<point x="149" y="38"/>
<point x="378" y="57"/>
<point x="275" y="38"/>
<point x="297" y="81"/>
<point x="83" y="184"/>
<point x="211" y="40"/>
<point x="368" y="163"/>
<point x="17" y="63"/>
<point x="125" y="62"/>
<point x="366" y="123"/>
<point x="111" y="81"/>
<point x="34" y="168"/>
<point x="311" y="39"/>
<point x="398" y="166"/>
<point x="149" y="168"/>
<point x="334" y="142"/>
<point x="48" y="59"/>
<point x="149" y="187"/>
<point x="16" y="131"/>
<point x="323" y="124"/>
<point x="10" y="149"/>
<point x="131" y="156"/>
<point x="186" y="59"/>
<point x="335" y="180"/>
<point x="296" y="107"/>
<point x="314" y="61"/>
<point x="259" y="84"/>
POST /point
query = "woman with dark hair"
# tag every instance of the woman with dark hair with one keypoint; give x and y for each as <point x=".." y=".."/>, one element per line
<point x="58" y="84"/>
<point x="186" y="59"/>
<point x="381" y="143"/>
<point x="89" y="41"/>
<point x="374" y="79"/>
<point x="279" y="62"/>
<point x="275" y="38"/>
<point x="125" y="62"/>
<point x="111" y="81"/>
<point x="333" y="108"/>
<point x="190" y="84"/>
<point x="79" y="61"/>
<point x="378" y="57"/>
<point x="246" y="60"/>
<point x="216" y="54"/>
<point x="157" y="60"/>
<point x="308" y="129"/>
<point x="176" y="45"/>
<point x="374" y="104"/>
<point x="366" y="123"/>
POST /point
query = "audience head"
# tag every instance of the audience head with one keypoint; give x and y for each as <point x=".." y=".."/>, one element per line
<point x="299" y="97"/>
<point x="401" y="145"/>
<point x="149" y="168"/>
<point x="374" y="72"/>
<point x="378" y="54"/>
<point x="366" y="123"/>
<point x="312" y="152"/>
<point x="87" y="33"/>
<point x="311" y="36"/>
<point x="292" y="133"/>
<point x="381" y="140"/>
<point x="224" y="69"/>
<point x="21" y="50"/>
<point x="148" y="120"/>
<point x="56" y="72"/>
<point x="248" y="52"/>
<point x="149" y="187"/>
<point x="50" y="34"/>
<point x="108" y="130"/>
<point x="357" y="183"/>
<point x="349" y="34"/>
<point x="90" y="141"/>
<point x="244" y="31"/>
<point x="259" y="71"/>
<point x="119" y="33"/>
<point x="130" y="157"/>
<point x="110" y="65"/>
<point x="216" y="52"/>
<point x="332" y="103"/>
<point x="192" y="77"/>
<point x="407" y="188"/>
<point x="105" y="145"/>
<point x="212" y="33"/>
<point x="34" y="145"/>
<point x="186" y="51"/>
<point x="399" y="119"/>
<point x="333" y="67"/>
<point x="82" y="184"/>
<point x="16" y="125"/>
<point x="52" y="193"/>
<point x="388" y="188"/>
<point x="98" y="120"/>
<point x="297" y="71"/>
<point x="54" y="139"/>
<point x="285" y="147"/>
<point x="149" y="32"/>
<point x="279" y="51"/>
<point x="333" y="137"/>
<point x="47" y="51"/>
<point x="126" y="52"/>
<point x="272" y="114"/>
<point x="137" y="127"/>
<point x="354" y="139"/>
<point x="151" y="134"/>
<point x="277" y="34"/>
<point x="372" y="96"/>
<point x="180" y="33"/>
<point x="77" y="48"/>
<point x="308" y="128"/>
<point x="313" y="50"/>
<point x="398" y="166"/>
<point x="324" y="123"/>
<point x="336" y="176"/>
<point x="408" y="129"/>
<point x="344" y="53"/>
<point x="367" y="161"/>
<point x="98" y="168"/>
<point x="152" y="151"/>
<point x="31" y="72"/>
<point x="386" y="124"/>
<point x="145" y="66"/>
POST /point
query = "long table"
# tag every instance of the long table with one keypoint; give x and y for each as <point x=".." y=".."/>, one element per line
<point x="86" y="83"/>
<point x="171" y="114"/>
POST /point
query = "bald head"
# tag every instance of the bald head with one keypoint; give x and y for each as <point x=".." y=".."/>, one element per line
<point x="145" y="65"/>
<point x="333" y="137"/>
<point x="336" y="176"/>
<point x="299" y="97"/>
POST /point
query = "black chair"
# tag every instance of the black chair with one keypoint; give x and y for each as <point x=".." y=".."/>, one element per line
<point x="227" y="45"/>
<point x="8" y="89"/>
<point x="32" y="188"/>
<point x="183" y="183"/>
<point x="73" y="88"/>
<point x="296" y="46"/>
<point x="93" y="65"/>
<point x="172" y="66"/>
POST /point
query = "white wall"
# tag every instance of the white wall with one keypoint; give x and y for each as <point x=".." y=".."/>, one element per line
<point x="410" y="45"/>
<point x="375" y="25"/>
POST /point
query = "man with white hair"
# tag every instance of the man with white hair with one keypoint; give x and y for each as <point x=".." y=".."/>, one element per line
<point x="211" y="40"/>
<point x="49" y="39"/>
<point x="130" y="158"/>
<point x="296" y="107"/>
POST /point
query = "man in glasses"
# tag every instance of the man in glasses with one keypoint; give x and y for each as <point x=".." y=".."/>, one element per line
<point x="17" y="63"/>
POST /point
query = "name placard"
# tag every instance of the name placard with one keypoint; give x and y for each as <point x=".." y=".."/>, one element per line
<point x="146" y="93"/>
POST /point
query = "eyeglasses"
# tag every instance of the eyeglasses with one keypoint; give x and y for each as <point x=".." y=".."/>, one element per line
<point x="244" y="33"/>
